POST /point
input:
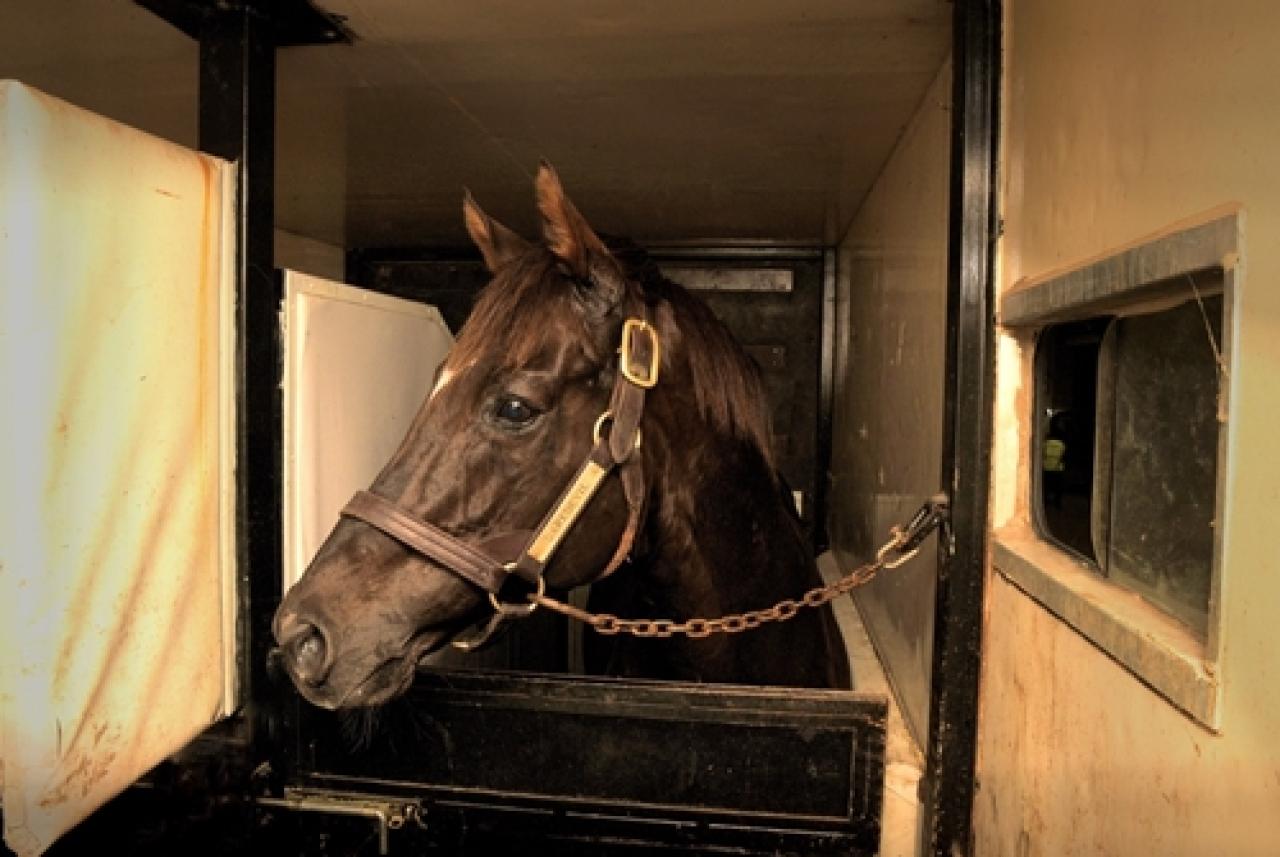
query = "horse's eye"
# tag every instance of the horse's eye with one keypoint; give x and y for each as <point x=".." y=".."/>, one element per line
<point x="512" y="412"/>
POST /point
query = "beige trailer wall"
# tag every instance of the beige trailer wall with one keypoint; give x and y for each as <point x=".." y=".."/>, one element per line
<point x="891" y="283"/>
<point x="1120" y="119"/>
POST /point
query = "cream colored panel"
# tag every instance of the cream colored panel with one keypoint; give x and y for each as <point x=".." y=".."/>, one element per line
<point x="1120" y="120"/>
<point x="114" y="500"/>
<point x="358" y="366"/>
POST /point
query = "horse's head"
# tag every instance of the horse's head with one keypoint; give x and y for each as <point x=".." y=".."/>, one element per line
<point x="506" y="428"/>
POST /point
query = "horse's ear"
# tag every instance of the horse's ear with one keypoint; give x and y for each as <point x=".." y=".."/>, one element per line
<point x="497" y="243"/>
<point x="575" y="243"/>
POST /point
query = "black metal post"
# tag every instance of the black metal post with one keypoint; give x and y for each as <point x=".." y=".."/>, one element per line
<point x="237" y="122"/>
<point x="957" y="636"/>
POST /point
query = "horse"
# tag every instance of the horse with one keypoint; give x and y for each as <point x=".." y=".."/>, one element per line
<point x="580" y="366"/>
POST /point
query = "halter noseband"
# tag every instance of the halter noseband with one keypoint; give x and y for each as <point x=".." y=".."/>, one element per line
<point x="639" y="359"/>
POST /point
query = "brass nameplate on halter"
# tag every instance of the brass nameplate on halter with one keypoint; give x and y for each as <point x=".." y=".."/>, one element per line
<point x="567" y="511"/>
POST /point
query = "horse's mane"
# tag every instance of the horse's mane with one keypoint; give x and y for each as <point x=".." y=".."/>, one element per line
<point x="726" y="381"/>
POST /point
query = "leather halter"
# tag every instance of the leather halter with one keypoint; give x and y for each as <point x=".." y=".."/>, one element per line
<point x="483" y="564"/>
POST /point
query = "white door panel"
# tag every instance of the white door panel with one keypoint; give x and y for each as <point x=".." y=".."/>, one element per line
<point x="358" y="366"/>
<point x="116" y="554"/>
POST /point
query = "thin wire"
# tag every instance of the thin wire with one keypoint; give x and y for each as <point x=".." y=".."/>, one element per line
<point x="1208" y="328"/>
<point x="462" y="109"/>
<point x="444" y="93"/>
<point x="1223" y="372"/>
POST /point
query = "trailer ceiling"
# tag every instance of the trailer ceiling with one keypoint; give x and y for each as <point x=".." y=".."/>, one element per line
<point x="668" y="120"/>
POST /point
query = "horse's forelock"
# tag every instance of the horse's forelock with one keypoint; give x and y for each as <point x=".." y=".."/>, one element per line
<point x="517" y="314"/>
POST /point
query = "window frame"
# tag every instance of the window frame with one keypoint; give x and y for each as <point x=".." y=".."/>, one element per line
<point x="1158" y="649"/>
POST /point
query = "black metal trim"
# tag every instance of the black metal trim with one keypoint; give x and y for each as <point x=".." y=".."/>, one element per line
<point x="957" y="636"/>
<point x="292" y="22"/>
<point x="237" y="122"/>
<point x="465" y="764"/>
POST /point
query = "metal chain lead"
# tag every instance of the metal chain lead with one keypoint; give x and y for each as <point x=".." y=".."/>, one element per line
<point x="735" y="623"/>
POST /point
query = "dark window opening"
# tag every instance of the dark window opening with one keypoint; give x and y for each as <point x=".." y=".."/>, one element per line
<point x="1127" y="449"/>
<point x="1067" y="374"/>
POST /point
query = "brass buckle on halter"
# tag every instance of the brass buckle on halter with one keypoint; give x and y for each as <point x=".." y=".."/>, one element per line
<point x="518" y="610"/>
<point x="643" y="376"/>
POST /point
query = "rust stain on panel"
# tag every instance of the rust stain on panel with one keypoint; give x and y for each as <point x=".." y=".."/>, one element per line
<point x="87" y="768"/>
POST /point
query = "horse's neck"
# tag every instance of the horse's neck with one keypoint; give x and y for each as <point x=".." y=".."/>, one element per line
<point x="729" y="541"/>
<point x="725" y="542"/>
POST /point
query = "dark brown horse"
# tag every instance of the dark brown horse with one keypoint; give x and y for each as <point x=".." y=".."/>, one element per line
<point x="688" y="509"/>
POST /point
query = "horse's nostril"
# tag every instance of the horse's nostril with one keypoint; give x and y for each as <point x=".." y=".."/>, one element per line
<point x="310" y="655"/>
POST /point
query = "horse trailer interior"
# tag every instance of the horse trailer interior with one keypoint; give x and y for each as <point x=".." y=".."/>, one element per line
<point x="1006" y="267"/>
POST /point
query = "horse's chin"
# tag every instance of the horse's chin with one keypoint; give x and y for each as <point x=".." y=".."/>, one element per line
<point x="391" y="679"/>
<point x="385" y="681"/>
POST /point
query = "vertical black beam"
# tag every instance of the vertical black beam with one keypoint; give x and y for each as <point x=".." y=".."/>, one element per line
<point x="237" y="122"/>
<point x="957" y="636"/>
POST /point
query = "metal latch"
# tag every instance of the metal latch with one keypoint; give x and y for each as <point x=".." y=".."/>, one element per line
<point x="386" y="814"/>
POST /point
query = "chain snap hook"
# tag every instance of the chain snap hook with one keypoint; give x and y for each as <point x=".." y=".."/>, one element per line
<point x="906" y="541"/>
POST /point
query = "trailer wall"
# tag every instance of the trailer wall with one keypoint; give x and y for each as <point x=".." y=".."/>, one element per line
<point x="1118" y="121"/>
<point x="891" y="300"/>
